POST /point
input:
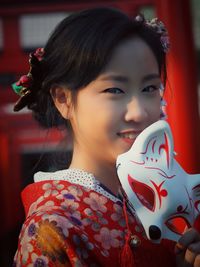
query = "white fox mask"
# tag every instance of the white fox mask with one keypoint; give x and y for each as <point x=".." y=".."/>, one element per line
<point x="166" y="198"/>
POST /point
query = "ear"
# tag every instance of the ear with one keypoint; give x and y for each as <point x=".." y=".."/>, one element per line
<point x="62" y="98"/>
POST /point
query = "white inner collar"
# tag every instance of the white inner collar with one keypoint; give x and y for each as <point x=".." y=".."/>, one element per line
<point x="75" y="176"/>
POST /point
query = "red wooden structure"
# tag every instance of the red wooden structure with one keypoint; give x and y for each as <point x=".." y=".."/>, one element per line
<point x="19" y="132"/>
<point x="182" y="91"/>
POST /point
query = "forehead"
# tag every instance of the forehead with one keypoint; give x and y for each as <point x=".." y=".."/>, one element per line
<point x="133" y="56"/>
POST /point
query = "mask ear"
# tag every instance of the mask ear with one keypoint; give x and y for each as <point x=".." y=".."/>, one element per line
<point x="63" y="100"/>
<point x="154" y="145"/>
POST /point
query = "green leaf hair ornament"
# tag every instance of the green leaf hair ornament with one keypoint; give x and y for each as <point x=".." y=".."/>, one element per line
<point x="17" y="88"/>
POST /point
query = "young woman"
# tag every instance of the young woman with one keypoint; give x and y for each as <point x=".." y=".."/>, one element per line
<point x="100" y="72"/>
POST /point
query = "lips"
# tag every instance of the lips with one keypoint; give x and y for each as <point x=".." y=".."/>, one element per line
<point x="129" y="136"/>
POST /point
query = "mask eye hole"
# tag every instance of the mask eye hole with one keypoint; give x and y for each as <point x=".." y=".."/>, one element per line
<point x="178" y="225"/>
<point x="143" y="192"/>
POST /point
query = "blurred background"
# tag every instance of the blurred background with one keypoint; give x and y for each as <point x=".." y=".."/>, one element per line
<point x="25" y="148"/>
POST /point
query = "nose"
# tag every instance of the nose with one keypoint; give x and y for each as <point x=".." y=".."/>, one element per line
<point x="154" y="232"/>
<point x="136" y="111"/>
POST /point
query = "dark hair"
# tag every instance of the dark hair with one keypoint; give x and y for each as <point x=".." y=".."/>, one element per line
<point x="79" y="49"/>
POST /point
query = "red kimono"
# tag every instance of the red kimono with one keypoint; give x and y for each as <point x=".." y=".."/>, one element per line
<point x="72" y="220"/>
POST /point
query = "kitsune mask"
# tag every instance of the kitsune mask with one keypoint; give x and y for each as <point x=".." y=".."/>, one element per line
<point x="166" y="199"/>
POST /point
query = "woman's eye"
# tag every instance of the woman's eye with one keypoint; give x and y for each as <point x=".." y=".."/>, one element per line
<point x="114" y="91"/>
<point x="150" y="89"/>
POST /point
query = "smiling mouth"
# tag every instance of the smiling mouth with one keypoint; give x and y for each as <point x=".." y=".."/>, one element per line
<point x="129" y="135"/>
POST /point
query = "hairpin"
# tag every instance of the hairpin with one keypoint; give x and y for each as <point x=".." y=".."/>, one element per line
<point x="159" y="27"/>
<point x="23" y="86"/>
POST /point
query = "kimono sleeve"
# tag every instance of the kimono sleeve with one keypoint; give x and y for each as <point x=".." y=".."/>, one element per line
<point x="46" y="239"/>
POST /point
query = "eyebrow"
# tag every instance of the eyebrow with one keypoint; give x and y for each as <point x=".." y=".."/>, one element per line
<point x="151" y="77"/>
<point x="124" y="79"/>
<point x="115" y="77"/>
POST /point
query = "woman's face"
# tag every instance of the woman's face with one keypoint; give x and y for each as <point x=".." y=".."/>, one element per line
<point x="113" y="109"/>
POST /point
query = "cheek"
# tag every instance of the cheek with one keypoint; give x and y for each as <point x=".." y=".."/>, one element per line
<point x="152" y="110"/>
<point x="97" y="117"/>
<point x="106" y="119"/>
<point x="153" y="107"/>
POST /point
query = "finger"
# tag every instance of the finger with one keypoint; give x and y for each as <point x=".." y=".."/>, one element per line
<point x="179" y="249"/>
<point x="188" y="248"/>
<point x="181" y="262"/>
<point x="197" y="261"/>
<point x="190" y="255"/>
<point x="190" y="236"/>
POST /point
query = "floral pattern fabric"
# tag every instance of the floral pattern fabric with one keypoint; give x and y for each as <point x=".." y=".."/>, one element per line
<point x="71" y="225"/>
